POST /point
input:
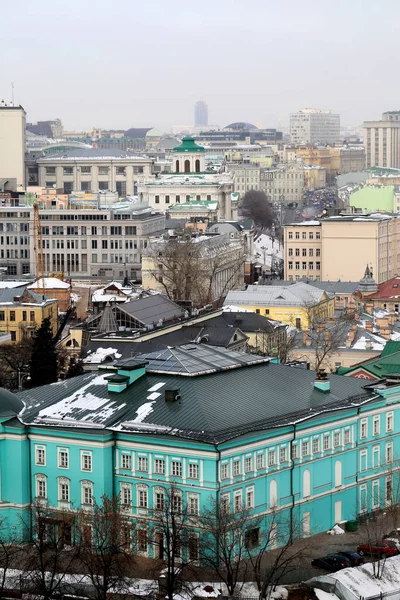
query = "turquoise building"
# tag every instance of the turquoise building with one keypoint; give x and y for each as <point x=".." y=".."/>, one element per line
<point x="234" y="427"/>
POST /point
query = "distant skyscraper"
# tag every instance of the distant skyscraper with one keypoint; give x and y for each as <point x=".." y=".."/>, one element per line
<point x="382" y="141"/>
<point x="200" y="114"/>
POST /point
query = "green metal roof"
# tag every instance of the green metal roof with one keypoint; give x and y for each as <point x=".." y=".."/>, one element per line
<point x="387" y="363"/>
<point x="390" y="348"/>
<point x="189" y="145"/>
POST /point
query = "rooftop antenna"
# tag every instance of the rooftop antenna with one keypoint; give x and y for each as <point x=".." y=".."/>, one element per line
<point x="12" y="93"/>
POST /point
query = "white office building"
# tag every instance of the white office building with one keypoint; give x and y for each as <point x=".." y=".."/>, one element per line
<point x="314" y="126"/>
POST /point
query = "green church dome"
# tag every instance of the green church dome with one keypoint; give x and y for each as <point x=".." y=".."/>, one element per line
<point x="10" y="404"/>
<point x="189" y="145"/>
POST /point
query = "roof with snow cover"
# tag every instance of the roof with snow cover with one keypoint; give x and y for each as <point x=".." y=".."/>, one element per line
<point x="223" y="394"/>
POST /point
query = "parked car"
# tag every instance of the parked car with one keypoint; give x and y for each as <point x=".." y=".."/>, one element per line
<point x="355" y="559"/>
<point x="331" y="562"/>
<point x="380" y="549"/>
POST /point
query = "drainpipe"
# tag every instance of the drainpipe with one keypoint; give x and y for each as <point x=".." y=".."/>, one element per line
<point x="291" y="483"/>
<point x="30" y="483"/>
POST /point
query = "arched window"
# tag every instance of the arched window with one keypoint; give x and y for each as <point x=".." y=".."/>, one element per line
<point x="273" y="494"/>
<point x="306" y="483"/>
<point x="197" y="166"/>
<point x="41" y="486"/>
<point x="338" y="473"/>
<point x="177" y="166"/>
<point x="187" y="166"/>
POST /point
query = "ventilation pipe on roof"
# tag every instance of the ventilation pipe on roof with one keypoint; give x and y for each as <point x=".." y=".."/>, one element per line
<point x="322" y="382"/>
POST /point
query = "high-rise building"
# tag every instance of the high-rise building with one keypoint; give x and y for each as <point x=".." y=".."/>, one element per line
<point x="382" y="141"/>
<point x="200" y="114"/>
<point x="12" y="143"/>
<point x="313" y="126"/>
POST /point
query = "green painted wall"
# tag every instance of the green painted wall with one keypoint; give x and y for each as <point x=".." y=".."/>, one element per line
<point x="374" y="198"/>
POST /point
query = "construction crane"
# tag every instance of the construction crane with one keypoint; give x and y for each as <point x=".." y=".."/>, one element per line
<point x="38" y="245"/>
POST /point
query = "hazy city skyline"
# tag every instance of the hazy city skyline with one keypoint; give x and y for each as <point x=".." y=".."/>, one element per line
<point x="137" y="64"/>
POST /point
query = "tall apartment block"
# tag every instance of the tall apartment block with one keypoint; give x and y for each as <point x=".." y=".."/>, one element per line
<point x="200" y="114"/>
<point x="314" y="126"/>
<point x="382" y="141"/>
<point x="12" y="143"/>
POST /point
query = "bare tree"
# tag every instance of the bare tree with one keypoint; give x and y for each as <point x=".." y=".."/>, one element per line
<point x="271" y="561"/>
<point x="225" y="540"/>
<point x="188" y="270"/>
<point x="176" y="539"/>
<point x="105" y="544"/>
<point x="10" y="555"/>
<point x="50" y="555"/>
<point x="14" y="360"/>
<point x="255" y="205"/>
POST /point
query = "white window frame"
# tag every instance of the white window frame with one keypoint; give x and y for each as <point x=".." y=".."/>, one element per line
<point x="363" y="429"/>
<point x="362" y="454"/>
<point x="193" y="504"/>
<point x="336" y="439"/>
<point x="389" y="453"/>
<point x="224" y="471"/>
<point x="225" y="503"/>
<point x="159" y="498"/>
<point x="193" y="471"/>
<point x="363" y="509"/>
<point x="305" y="448"/>
<point x="86" y="454"/>
<point x="388" y="480"/>
<point x="327" y="441"/>
<point x="250" y="497"/>
<point x="64" y="481"/>
<point x="376" y="456"/>
<point x="248" y="464"/>
<point x="40" y="448"/>
<point x="126" y="461"/>
<point x="126" y="494"/>
<point x="315" y="445"/>
<point x="142" y="492"/>
<point x="271" y="458"/>
<point x="41" y="485"/>
<point x="237" y="501"/>
<point x="159" y="466"/>
<point x="389" y="421"/>
<point x="282" y="454"/>
<point x="143" y="464"/>
<point x="176" y="468"/>
<point x="60" y="453"/>
<point x="375" y="485"/>
<point x="260" y="461"/>
<point x="376" y="425"/>
<point x="347" y="436"/>
<point x="236" y="468"/>
<point x="87" y="486"/>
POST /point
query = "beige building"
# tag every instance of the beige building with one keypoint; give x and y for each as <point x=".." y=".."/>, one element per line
<point x="88" y="242"/>
<point x="218" y="265"/>
<point x="314" y="177"/>
<point x="247" y="176"/>
<point x="93" y="170"/>
<point x="12" y="143"/>
<point x="312" y="126"/>
<point x="338" y="248"/>
<point x="382" y="141"/>
<point x="283" y="184"/>
<point x="335" y="160"/>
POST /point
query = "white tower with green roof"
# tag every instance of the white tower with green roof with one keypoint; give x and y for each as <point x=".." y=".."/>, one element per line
<point x="188" y="157"/>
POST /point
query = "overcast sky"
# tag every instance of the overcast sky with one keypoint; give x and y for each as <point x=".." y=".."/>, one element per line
<point x="123" y="63"/>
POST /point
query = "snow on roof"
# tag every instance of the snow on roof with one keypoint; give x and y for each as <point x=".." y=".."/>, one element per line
<point x="49" y="283"/>
<point x="101" y="354"/>
<point x="11" y="284"/>
<point x="360" y="582"/>
<point x="231" y="308"/>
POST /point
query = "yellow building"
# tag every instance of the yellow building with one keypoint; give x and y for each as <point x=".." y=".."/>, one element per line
<point x="314" y="177"/>
<point x="300" y="304"/>
<point x="22" y="312"/>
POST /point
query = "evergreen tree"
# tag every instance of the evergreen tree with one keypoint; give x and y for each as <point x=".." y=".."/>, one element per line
<point x="43" y="366"/>
<point x="75" y="367"/>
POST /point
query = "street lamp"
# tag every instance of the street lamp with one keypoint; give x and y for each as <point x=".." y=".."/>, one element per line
<point x="22" y="376"/>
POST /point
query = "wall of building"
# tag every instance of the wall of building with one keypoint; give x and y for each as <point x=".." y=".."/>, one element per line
<point x="12" y="143"/>
<point x="22" y="319"/>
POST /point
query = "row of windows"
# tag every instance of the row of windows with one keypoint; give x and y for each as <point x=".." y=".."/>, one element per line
<point x="159" y="466"/>
<point x="376" y="425"/>
<point x="304" y="235"/>
<point x="304" y="265"/>
<point x="188" y="198"/>
<point x="63" y="460"/>
<point x="87" y="170"/>
<point x="64" y="489"/>
<point x="304" y="252"/>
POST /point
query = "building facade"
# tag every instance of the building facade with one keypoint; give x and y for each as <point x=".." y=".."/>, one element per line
<point x="88" y="242"/>
<point x="12" y="143"/>
<point x="200" y="114"/>
<point x="94" y="170"/>
<point x="321" y="249"/>
<point x="283" y="184"/>
<point x="382" y="141"/>
<point x="312" y="452"/>
<point x="312" y="126"/>
<point x="22" y="312"/>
